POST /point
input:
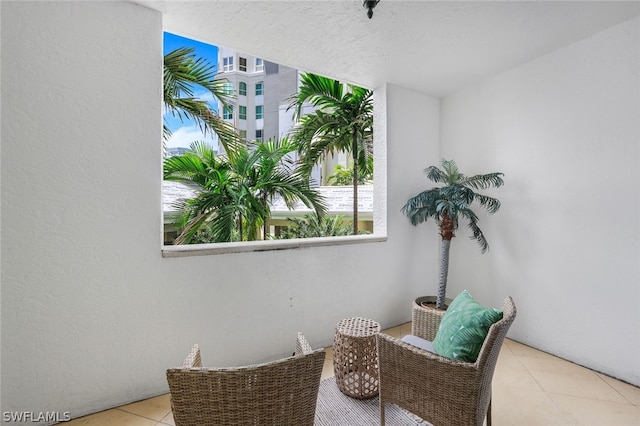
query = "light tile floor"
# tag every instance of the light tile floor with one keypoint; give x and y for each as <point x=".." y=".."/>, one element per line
<point x="530" y="388"/>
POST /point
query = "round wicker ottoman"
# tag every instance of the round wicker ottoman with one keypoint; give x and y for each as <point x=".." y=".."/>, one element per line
<point x="355" y="357"/>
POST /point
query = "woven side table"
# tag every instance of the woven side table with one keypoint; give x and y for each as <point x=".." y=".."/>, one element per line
<point x="355" y="357"/>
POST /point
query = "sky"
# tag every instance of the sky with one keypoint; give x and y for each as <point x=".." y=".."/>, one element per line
<point x="187" y="131"/>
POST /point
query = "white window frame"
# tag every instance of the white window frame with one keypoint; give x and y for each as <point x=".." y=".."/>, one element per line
<point x="259" y="116"/>
<point x="240" y="66"/>
<point x="242" y="88"/>
<point x="260" y="84"/>
<point x="259" y="64"/>
<point x="242" y="108"/>
<point x="227" y="64"/>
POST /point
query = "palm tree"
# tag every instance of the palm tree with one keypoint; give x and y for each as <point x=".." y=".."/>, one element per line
<point x="449" y="203"/>
<point x="342" y="122"/>
<point x="212" y="177"/>
<point x="183" y="73"/>
<point x="234" y="192"/>
<point x="273" y="175"/>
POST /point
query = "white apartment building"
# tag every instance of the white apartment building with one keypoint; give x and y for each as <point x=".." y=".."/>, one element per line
<point x="260" y="88"/>
<point x="259" y="111"/>
<point x="244" y="77"/>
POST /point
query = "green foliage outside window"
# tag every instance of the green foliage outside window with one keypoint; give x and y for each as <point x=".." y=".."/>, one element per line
<point x="235" y="191"/>
<point x="312" y="225"/>
<point x="343" y="176"/>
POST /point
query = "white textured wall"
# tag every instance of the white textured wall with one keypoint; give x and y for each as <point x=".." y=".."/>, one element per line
<point x="413" y="146"/>
<point x="83" y="322"/>
<point x="92" y="315"/>
<point x="565" y="129"/>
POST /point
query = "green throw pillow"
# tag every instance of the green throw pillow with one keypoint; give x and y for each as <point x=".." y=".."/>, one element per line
<point x="464" y="327"/>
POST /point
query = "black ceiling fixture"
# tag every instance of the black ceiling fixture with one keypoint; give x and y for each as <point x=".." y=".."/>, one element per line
<point x="370" y="4"/>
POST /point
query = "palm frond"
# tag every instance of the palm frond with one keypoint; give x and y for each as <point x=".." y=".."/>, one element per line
<point x="478" y="235"/>
<point x="489" y="180"/>
<point x="422" y="206"/>
<point x="451" y="172"/>
<point x="491" y="204"/>
<point x="435" y="174"/>
<point x="208" y="122"/>
<point x="183" y="73"/>
<point x="319" y="91"/>
<point x="183" y="168"/>
<point x="457" y="194"/>
<point x="190" y="227"/>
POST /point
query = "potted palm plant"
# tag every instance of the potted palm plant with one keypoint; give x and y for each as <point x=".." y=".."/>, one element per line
<point x="450" y="203"/>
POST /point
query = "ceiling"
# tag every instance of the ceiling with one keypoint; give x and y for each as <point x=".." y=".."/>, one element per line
<point x="435" y="47"/>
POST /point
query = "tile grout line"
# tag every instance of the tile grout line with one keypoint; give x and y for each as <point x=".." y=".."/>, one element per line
<point x="143" y="417"/>
<point x="601" y="377"/>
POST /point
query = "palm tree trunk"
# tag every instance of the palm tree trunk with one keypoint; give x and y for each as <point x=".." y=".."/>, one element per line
<point x="265" y="225"/>
<point x="447" y="231"/>
<point x="444" y="272"/>
<point x="354" y="150"/>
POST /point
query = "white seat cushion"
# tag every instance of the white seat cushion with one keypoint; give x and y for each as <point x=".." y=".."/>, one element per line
<point x="419" y="342"/>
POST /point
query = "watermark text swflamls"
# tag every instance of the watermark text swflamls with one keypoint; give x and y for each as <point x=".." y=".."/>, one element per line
<point x="35" y="416"/>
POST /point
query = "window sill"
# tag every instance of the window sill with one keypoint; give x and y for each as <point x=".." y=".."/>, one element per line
<point x="188" y="250"/>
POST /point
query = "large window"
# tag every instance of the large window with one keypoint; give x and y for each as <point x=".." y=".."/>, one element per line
<point x="278" y="223"/>
<point x="227" y="64"/>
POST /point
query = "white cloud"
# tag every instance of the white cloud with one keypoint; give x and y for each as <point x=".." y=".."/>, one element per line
<point x="184" y="136"/>
<point x="206" y="96"/>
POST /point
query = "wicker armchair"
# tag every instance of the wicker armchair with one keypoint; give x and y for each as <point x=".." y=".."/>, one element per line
<point x="440" y="390"/>
<point x="282" y="392"/>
